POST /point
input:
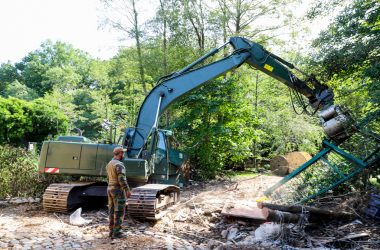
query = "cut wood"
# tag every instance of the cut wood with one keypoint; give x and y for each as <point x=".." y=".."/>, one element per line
<point x="246" y="210"/>
<point x="280" y="216"/>
<point x="279" y="165"/>
<point x="282" y="165"/>
<point x="351" y="236"/>
<point x="296" y="159"/>
<point x="354" y="236"/>
<point x="251" y="211"/>
<point x="315" y="213"/>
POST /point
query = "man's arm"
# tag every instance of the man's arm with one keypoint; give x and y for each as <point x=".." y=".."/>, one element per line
<point x="120" y="170"/>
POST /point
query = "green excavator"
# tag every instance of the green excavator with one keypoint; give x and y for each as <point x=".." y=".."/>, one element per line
<point x="154" y="167"/>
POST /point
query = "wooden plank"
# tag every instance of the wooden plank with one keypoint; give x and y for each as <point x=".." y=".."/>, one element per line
<point x="250" y="211"/>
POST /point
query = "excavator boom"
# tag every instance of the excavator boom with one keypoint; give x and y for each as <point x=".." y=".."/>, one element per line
<point x="182" y="82"/>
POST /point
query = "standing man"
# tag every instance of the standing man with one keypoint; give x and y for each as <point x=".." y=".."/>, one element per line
<point x="118" y="191"/>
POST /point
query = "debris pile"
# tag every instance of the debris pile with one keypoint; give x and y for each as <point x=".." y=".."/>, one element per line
<point x="214" y="215"/>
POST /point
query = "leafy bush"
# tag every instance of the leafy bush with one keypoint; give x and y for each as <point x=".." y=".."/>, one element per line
<point x="23" y="121"/>
<point x="19" y="174"/>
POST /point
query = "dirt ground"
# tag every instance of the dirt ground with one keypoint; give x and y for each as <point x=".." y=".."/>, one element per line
<point x="194" y="223"/>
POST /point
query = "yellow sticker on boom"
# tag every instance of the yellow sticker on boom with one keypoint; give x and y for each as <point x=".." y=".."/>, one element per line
<point x="268" y="67"/>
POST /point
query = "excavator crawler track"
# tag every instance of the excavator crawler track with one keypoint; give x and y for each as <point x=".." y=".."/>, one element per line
<point x="149" y="201"/>
<point x="61" y="197"/>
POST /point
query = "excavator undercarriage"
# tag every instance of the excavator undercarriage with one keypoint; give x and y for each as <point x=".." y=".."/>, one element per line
<point x="146" y="202"/>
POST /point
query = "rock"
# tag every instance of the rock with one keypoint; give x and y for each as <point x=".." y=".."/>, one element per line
<point x="191" y="206"/>
<point x="232" y="233"/>
<point x="149" y="233"/>
<point x="249" y="240"/>
<point x="182" y="215"/>
<point x="26" y="247"/>
<point x="88" y="237"/>
<point x="16" y="201"/>
<point x="224" y="234"/>
<point x="3" y="204"/>
<point x="14" y="242"/>
<point x="266" y="231"/>
<point x="37" y="200"/>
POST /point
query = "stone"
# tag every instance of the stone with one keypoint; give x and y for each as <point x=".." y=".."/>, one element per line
<point x="16" y="201"/>
<point x="3" y="204"/>
<point x="27" y="247"/>
<point x="88" y="237"/>
<point x="224" y="234"/>
<point x="149" y="233"/>
<point x="14" y="242"/>
<point x="211" y="244"/>
<point x="232" y="233"/>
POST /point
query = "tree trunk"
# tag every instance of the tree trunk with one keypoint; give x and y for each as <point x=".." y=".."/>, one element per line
<point x="164" y="38"/>
<point x="138" y="46"/>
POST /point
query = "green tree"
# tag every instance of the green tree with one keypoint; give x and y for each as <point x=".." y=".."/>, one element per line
<point x="8" y="74"/>
<point x="20" y="91"/>
<point x="23" y="121"/>
<point x="15" y="120"/>
<point x="46" y="119"/>
<point x="54" y="64"/>
<point x="123" y="17"/>
<point x="348" y="55"/>
<point x="217" y="131"/>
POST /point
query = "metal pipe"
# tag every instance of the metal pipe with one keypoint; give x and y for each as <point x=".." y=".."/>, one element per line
<point x="155" y="124"/>
<point x="209" y="54"/>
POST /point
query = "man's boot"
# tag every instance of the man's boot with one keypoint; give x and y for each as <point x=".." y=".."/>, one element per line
<point x="119" y="235"/>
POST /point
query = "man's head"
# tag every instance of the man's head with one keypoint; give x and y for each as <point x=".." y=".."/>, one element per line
<point x="118" y="152"/>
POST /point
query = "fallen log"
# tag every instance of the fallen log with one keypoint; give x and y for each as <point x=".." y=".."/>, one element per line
<point x="317" y="213"/>
<point x="251" y="211"/>
<point x="280" y="216"/>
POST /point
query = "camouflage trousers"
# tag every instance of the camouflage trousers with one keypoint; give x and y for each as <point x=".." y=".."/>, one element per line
<point x="116" y="208"/>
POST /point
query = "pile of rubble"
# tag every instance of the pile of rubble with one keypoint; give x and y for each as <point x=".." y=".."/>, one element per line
<point x="215" y="215"/>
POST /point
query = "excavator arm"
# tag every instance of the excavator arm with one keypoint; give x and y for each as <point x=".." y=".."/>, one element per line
<point x="174" y="86"/>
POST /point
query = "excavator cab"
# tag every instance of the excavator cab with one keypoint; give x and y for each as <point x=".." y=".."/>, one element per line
<point x="170" y="165"/>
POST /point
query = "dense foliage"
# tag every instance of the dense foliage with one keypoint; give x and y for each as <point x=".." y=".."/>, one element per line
<point x="348" y="56"/>
<point x="19" y="175"/>
<point x="22" y="122"/>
